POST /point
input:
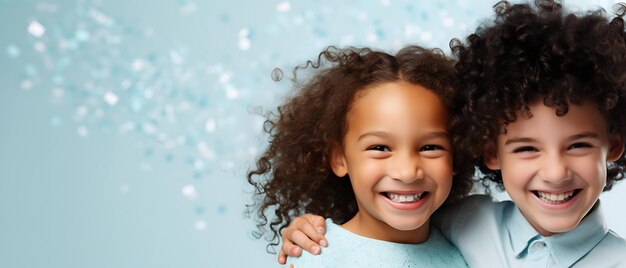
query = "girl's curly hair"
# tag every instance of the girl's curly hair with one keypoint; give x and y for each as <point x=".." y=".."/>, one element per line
<point x="293" y="176"/>
<point x="539" y="53"/>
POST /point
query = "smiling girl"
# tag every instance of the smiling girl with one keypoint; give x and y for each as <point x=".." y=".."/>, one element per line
<point x="365" y="144"/>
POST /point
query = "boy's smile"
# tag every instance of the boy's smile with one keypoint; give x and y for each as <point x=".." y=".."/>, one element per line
<point x="554" y="167"/>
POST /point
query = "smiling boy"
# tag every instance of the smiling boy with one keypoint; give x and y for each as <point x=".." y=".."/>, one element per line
<point x="545" y="95"/>
<point x="555" y="166"/>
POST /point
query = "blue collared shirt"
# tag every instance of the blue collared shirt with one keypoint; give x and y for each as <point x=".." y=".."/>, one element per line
<point x="496" y="234"/>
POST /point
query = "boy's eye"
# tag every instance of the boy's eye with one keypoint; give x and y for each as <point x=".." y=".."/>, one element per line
<point x="381" y="148"/>
<point x="431" y="147"/>
<point x="580" y="145"/>
<point x="524" y="149"/>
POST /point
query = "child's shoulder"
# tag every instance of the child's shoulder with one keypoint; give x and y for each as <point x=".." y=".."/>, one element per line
<point x="609" y="252"/>
<point x="474" y="211"/>
<point x="343" y="246"/>
<point x="616" y="238"/>
<point x="330" y="255"/>
<point x="346" y="249"/>
<point x="613" y="242"/>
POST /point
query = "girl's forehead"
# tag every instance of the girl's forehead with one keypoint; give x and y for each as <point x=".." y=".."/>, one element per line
<point x="423" y="94"/>
<point x="392" y="104"/>
<point x="397" y="92"/>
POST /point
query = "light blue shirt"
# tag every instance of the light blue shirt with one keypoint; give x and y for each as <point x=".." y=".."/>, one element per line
<point x="346" y="249"/>
<point x="496" y="234"/>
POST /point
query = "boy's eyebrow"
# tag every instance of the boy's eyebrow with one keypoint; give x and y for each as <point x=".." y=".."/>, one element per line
<point x="382" y="134"/>
<point x="583" y="135"/>
<point x="591" y="135"/>
<point x="515" y="140"/>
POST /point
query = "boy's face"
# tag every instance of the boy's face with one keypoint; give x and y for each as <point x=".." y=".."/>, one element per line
<point x="554" y="167"/>
<point x="398" y="156"/>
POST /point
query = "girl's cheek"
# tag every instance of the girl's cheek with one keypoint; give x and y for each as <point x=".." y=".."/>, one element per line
<point x="372" y="166"/>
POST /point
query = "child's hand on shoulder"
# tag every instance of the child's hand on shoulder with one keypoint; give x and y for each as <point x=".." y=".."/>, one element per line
<point x="305" y="232"/>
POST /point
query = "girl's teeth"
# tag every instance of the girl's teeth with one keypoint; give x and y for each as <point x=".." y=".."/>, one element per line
<point x="401" y="198"/>
<point x="555" y="198"/>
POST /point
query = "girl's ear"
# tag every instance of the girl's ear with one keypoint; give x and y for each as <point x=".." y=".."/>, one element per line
<point x="616" y="147"/>
<point x="490" y="156"/>
<point x="338" y="161"/>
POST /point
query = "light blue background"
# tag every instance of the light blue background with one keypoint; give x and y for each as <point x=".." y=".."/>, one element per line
<point x="127" y="126"/>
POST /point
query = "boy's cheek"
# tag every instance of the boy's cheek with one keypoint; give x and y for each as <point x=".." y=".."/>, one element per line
<point x="515" y="177"/>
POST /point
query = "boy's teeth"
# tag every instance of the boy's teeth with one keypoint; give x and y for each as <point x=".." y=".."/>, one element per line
<point x="402" y="198"/>
<point x="555" y="198"/>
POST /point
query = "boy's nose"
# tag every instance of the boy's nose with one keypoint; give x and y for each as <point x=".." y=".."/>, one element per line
<point x="555" y="170"/>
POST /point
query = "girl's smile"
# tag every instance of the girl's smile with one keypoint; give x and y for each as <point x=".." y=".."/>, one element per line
<point x="397" y="155"/>
<point x="406" y="201"/>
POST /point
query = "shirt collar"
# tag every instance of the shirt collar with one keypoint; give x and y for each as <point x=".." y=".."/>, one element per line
<point x="566" y="248"/>
<point x="569" y="247"/>
<point x="521" y="233"/>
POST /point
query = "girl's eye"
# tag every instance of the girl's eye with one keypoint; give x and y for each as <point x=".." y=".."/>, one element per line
<point x="524" y="149"/>
<point x="431" y="147"/>
<point x="580" y="145"/>
<point x="381" y="148"/>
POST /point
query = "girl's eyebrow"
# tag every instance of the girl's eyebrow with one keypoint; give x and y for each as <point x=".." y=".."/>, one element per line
<point x="436" y="134"/>
<point x="382" y="134"/>
<point x="379" y="134"/>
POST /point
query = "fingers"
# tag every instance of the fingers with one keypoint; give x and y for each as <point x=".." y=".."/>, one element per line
<point x="288" y="249"/>
<point x="300" y="239"/>
<point x="282" y="257"/>
<point x="305" y="232"/>
<point x="313" y="231"/>
<point x="317" y="221"/>
<point x="320" y="225"/>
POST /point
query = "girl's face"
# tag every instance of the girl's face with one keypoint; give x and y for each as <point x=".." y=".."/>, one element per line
<point x="398" y="156"/>
<point x="554" y="167"/>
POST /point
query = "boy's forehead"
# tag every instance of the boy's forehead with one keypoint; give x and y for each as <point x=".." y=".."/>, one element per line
<point x="540" y="118"/>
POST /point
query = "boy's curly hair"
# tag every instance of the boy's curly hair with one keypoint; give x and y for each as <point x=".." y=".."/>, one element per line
<point x="294" y="176"/>
<point x="539" y="53"/>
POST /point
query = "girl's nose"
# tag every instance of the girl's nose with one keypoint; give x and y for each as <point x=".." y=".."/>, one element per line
<point x="407" y="169"/>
